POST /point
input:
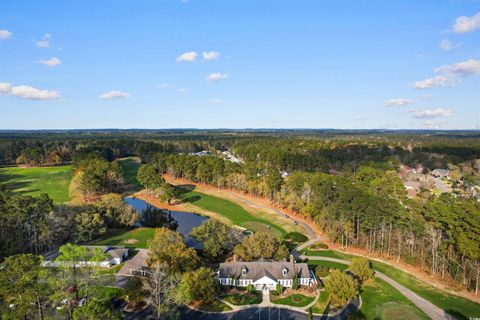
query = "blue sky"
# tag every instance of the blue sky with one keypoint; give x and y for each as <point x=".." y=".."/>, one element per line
<point x="267" y="64"/>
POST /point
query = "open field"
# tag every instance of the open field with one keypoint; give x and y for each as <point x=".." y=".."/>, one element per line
<point x="381" y="301"/>
<point x="328" y="264"/>
<point x="232" y="211"/>
<point x="130" y="167"/>
<point x="34" y="181"/>
<point x="116" y="237"/>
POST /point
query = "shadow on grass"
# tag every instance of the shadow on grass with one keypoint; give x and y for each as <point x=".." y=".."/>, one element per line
<point x="12" y="184"/>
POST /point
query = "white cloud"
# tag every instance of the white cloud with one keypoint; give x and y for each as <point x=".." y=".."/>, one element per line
<point x="27" y="92"/>
<point x="211" y="55"/>
<point x="460" y="69"/>
<point x="114" y="94"/>
<point x="450" y="74"/>
<point x="52" y="62"/>
<point x="45" y="41"/>
<point x="217" y="76"/>
<point x="215" y="101"/>
<point x="399" y="102"/>
<point x="431" y="113"/>
<point x="188" y="57"/>
<point x="447" y="45"/>
<point x="465" y="24"/>
<point x="437" y="81"/>
<point x="164" y="85"/>
<point x="182" y="90"/>
<point x="5" y="88"/>
<point x="5" y="34"/>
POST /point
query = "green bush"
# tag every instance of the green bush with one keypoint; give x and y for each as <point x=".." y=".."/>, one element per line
<point x="251" y="288"/>
<point x="279" y="289"/>
<point x="296" y="237"/>
<point x="318" y="246"/>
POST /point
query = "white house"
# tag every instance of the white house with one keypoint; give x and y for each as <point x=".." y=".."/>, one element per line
<point x="114" y="256"/>
<point x="265" y="275"/>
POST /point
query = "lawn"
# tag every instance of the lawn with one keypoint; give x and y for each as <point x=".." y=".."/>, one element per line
<point x="382" y="301"/>
<point x="328" y="264"/>
<point x="460" y="307"/>
<point x="117" y="237"/>
<point x="323" y="253"/>
<point x="34" y="181"/>
<point x="320" y="307"/>
<point x="232" y="211"/>
<point x="244" y="298"/>
<point x="294" y="300"/>
<point x="130" y="167"/>
<point x="215" y="306"/>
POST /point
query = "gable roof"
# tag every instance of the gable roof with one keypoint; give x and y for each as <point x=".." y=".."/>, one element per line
<point x="258" y="269"/>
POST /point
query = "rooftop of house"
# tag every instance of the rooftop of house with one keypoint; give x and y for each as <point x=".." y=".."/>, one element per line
<point x="258" y="269"/>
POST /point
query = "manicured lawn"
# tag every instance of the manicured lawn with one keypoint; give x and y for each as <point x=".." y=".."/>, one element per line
<point x="240" y="299"/>
<point x="34" y="181"/>
<point x="232" y="211"/>
<point x="295" y="300"/>
<point x="382" y="301"/>
<point x="117" y="237"/>
<point x="328" y="264"/>
<point x="320" y="307"/>
<point x="112" y="270"/>
<point x="460" y="307"/>
<point x="323" y="253"/>
<point x="216" y="306"/>
<point x="457" y="306"/>
<point x="130" y="168"/>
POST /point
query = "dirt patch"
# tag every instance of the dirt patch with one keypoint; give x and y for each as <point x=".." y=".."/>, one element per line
<point x="130" y="241"/>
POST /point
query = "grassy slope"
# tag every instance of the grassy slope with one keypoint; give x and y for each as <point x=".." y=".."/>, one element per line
<point x="379" y="299"/>
<point x="130" y="168"/>
<point x="458" y="306"/>
<point x="33" y="181"/>
<point x="232" y="211"/>
<point x="116" y="237"/>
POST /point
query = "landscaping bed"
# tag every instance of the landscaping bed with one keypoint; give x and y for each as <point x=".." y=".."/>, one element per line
<point x="241" y="298"/>
<point x="294" y="300"/>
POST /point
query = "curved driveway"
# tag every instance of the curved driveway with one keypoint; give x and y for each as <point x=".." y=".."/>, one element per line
<point x="426" y="306"/>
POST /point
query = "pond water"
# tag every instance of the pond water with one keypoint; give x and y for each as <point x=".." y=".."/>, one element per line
<point x="186" y="221"/>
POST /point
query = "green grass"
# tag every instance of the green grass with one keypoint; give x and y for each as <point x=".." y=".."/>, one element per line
<point x="232" y="211"/>
<point x="117" y="237"/>
<point x="130" y="168"/>
<point x="34" y="181"/>
<point x="112" y="270"/>
<point x="295" y="300"/>
<point x="328" y="264"/>
<point x="215" y="306"/>
<point x="321" y="305"/>
<point x="323" y="253"/>
<point x="460" y="307"/>
<point x="241" y="299"/>
<point x="382" y="301"/>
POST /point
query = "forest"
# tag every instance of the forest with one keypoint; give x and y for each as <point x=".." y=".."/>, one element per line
<point x="346" y="182"/>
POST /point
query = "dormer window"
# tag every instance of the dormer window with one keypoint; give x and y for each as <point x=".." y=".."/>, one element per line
<point x="284" y="271"/>
<point x="244" y="271"/>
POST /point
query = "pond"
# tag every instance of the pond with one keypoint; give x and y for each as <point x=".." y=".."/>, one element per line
<point x="185" y="221"/>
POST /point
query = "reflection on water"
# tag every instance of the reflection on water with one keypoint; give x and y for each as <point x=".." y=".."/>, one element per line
<point x="185" y="221"/>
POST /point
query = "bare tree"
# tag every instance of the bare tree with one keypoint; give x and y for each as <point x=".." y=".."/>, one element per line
<point x="162" y="291"/>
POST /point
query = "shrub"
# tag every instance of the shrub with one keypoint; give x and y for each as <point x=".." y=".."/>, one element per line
<point x="279" y="289"/>
<point x="250" y="288"/>
<point x="362" y="269"/>
<point x="318" y="246"/>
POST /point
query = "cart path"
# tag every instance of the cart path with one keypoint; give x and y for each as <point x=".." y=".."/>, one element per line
<point x="426" y="306"/>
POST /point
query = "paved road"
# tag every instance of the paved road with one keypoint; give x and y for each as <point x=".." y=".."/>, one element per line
<point x="427" y="307"/>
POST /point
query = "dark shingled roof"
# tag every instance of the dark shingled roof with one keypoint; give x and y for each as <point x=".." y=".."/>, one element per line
<point x="258" y="269"/>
